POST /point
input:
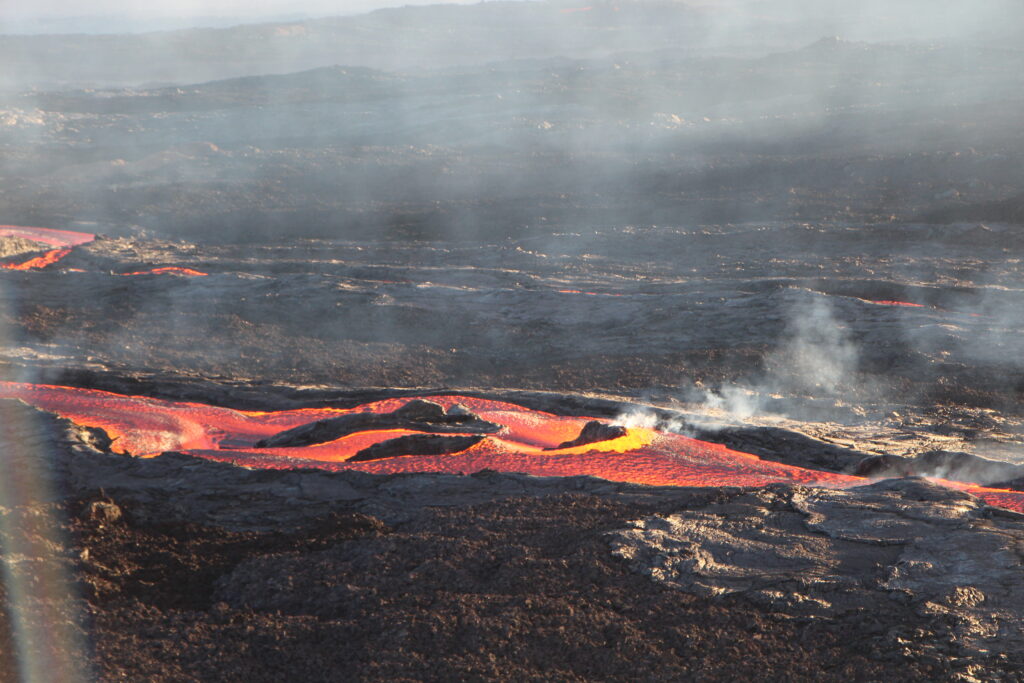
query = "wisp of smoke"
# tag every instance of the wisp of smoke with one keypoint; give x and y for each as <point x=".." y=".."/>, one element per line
<point x="817" y="355"/>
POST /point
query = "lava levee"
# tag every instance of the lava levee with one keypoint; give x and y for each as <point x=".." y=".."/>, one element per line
<point x="526" y="443"/>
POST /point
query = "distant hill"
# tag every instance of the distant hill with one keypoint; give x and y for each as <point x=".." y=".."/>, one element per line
<point x="393" y="39"/>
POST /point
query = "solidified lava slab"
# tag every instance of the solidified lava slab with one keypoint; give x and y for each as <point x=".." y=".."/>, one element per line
<point x="528" y="442"/>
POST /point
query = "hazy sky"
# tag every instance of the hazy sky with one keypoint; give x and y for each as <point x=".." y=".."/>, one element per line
<point x="21" y="9"/>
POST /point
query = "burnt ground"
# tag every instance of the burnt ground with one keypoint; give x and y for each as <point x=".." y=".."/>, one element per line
<point x="180" y="569"/>
<point x="517" y="589"/>
<point x="756" y="336"/>
<point x="164" y="576"/>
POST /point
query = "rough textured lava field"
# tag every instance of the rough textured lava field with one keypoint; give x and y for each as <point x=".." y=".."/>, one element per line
<point x="678" y="342"/>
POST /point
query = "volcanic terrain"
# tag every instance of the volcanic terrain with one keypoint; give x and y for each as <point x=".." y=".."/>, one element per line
<point x="755" y="511"/>
<point x="614" y="359"/>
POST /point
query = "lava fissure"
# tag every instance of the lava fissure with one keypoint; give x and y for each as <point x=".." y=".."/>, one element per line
<point x="530" y="441"/>
<point x="63" y="240"/>
<point x="38" y="262"/>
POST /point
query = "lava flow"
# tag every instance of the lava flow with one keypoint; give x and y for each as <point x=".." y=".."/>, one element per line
<point x="47" y="259"/>
<point x="529" y="441"/>
<point x="170" y="270"/>
<point x="63" y="239"/>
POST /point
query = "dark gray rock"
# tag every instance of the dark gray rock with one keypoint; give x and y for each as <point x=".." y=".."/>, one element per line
<point x="954" y="465"/>
<point x="416" y="444"/>
<point x="817" y="552"/>
<point x="593" y="432"/>
<point x="420" y="415"/>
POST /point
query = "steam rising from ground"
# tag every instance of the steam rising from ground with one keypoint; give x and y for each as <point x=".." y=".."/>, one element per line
<point x="815" y="358"/>
<point x="816" y="355"/>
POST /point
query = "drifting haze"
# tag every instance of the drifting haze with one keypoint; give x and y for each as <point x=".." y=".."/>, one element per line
<point x="132" y="16"/>
<point x="502" y="121"/>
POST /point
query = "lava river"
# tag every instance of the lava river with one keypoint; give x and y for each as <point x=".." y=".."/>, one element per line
<point x="527" y="442"/>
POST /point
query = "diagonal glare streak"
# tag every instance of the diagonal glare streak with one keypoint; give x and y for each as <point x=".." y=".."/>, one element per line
<point x="41" y="635"/>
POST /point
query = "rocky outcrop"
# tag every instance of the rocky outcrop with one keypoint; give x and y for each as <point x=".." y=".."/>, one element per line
<point x="816" y="552"/>
<point x="14" y="246"/>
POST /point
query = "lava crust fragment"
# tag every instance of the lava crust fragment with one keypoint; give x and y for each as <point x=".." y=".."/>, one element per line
<point x="418" y="415"/>
<point x="593" y="432"/>
<point x="416" y="444"/>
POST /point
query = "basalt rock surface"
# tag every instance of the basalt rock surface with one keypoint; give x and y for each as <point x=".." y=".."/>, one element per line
<point x="416" y="444"/>
<point x="946" y="464"/>
<point x="419" y="415"/>
<point x="236" y="572"/>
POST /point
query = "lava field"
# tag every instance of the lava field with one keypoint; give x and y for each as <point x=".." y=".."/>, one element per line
<point x="515" y="341"/>
<point x="138" y="449"/>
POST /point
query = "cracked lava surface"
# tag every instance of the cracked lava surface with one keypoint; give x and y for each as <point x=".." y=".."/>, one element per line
<point x="147" y="427"/>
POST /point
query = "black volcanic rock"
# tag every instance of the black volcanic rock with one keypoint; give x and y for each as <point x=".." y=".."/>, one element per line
<point x="593" y="432"/>
<point x="416" y="444"/>
<point x="954" y="465"/>
<point x="420" y="415"/>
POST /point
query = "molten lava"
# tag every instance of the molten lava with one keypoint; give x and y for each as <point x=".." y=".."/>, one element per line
<point x="47" y="259"/>
<point x="170" y="270"/>
<point x="528" y="442"/>
<point x="63" y="239"/>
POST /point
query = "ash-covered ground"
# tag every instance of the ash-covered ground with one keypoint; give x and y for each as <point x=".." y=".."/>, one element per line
<point x="708" y="221"/>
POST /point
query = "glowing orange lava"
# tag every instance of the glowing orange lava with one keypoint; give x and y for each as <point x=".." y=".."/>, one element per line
<point x="170" y="270"/>
<point x="64" y="239"/>
<point x="47" y="259"/>
<point x="146" y="426"/>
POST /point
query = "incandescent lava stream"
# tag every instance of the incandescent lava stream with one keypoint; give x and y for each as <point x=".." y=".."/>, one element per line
<point x="528" y="441"/>
<point x="37" y="262"/>
<point x="64" y="240"/>
<point x="169" y="270"/>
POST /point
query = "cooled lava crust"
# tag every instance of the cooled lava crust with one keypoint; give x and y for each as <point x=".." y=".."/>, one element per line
<point x="524" y="440"/>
